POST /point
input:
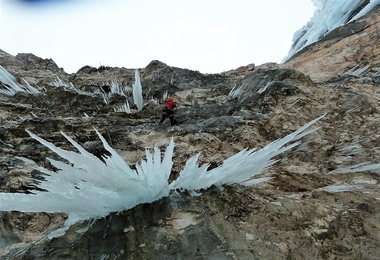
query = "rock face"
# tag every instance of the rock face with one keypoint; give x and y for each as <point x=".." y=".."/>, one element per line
<point x="291" y="216"/>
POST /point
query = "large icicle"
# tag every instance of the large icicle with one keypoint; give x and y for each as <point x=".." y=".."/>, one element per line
<point x="88" y="187"/>
<point x="137" y="91"/>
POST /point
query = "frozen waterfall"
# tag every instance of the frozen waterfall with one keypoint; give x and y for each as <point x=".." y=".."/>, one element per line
<point x="137" y="91"/>
<point x="329" y="15"/>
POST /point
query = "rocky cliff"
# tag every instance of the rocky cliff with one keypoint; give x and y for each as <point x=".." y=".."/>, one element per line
<point x="291" y="216"/>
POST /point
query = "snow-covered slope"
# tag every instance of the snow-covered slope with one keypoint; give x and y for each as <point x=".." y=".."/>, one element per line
<point x="329" y="15"/>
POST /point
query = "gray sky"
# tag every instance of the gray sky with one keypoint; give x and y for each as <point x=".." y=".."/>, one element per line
<point x="205" y="35"/>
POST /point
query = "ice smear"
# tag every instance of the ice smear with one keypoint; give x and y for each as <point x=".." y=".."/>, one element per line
<point x="371" y="167"/>
<point x="341" y="187"/>
<point x="88" y="187"/>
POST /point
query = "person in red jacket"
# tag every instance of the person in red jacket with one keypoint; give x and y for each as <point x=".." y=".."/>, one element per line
<point x="168" y="111"/>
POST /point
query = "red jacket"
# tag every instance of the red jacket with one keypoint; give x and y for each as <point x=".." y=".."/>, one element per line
<point x="170" y="105"/>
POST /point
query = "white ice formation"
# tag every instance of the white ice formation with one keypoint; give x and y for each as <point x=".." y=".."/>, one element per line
<point x="235" y="92"/>
<point x="10" y="86"/>
<point x="371" y="167"/>
<point x="59" y="83"/>
<point x="165" y="95"/>
<point x="117" y="89"/>
<point x="341" y="187"/>
<point x="137" y="91"/>
<point x="329" y="14"/>
<point x="87" y="187"/>
<point x="123" y="108"/>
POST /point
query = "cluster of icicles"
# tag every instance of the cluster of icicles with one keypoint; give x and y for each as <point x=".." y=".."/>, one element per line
<point x="88" y="187"/>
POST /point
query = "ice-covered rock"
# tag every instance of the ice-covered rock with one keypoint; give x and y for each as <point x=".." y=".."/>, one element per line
<point x="329" y="15"/>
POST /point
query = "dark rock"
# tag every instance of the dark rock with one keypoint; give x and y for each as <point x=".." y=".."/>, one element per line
<point x="219" y="124"/>
<point x="345" y="31"/>
<point x="246" y="114"/>
<point x="32" y="61"/>
<point x="3" y="178"/>
<point x="153" y="66"/>
<point x="9" y="238"/>
<point x="87" y="70"/>
<point x="357" y="10"/>
<point x="263" y="80"/>
<point x="376" y="78"/>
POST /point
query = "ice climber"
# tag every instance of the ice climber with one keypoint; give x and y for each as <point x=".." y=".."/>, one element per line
<point x="168" y="111"/>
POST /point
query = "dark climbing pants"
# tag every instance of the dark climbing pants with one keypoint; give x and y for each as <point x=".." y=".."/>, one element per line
<point x="168" y="113"/>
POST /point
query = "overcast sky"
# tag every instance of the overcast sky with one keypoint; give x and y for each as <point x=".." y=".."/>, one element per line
<point x="205" y="35"/>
